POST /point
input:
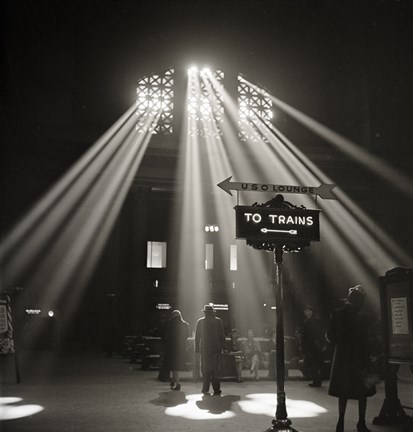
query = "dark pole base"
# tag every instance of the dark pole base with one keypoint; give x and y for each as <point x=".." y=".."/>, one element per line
<point x="280" y="426"/>
<point x="391" y="413"/>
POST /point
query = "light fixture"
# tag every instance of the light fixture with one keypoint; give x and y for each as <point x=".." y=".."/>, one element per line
<point x="211" y="228"/>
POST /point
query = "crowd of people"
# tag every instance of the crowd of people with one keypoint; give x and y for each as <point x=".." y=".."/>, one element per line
<point x="346" y="334"/>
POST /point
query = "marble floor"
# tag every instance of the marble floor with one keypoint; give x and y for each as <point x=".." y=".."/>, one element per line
<point x="88" y="392"/>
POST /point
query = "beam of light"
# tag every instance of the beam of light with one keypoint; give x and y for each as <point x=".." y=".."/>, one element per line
<point x="263" y="404"/>
<point x="11" y="252"/>
<point x="245" y="299"/>
<point x="59" y="242"/>
<point x="343" y="224"/>
<point x="349" y="234"/>
<point x="369" y="161"/>
<point x="12" y="412"/>
<point x="365" y="249"/>
<point x="249" y="287"/>
<point x="361" y="232"/>
<point x="189" y="212"/>
<point x="309" y="173"/>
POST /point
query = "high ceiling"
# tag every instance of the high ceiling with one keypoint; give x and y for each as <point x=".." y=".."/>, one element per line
<point x="70" y="70"/>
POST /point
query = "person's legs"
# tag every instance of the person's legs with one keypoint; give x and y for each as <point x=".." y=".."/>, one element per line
<point x="206" y="380"/>
<point x="175" y="379"/>
<point x="216" y="384"/>
<point x="254" y="365"/>
<point x="361" y="425"/>
<point x="313" y="364"/>
<point x="342" y="405"/>
<point x="238" y="366"/>
<point x="272" y="365"/>
<point x="315" y="375"/>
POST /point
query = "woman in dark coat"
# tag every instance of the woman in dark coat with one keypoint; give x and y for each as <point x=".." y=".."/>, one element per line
<point x="348" y="331"/>
<point x="176" y="334"/>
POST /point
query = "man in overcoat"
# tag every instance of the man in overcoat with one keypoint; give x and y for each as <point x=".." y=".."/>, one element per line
<point x="210" y="342"/>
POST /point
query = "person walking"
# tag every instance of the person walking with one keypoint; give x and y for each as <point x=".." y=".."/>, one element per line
<point x="210" y="343"/>
<point x="348" y="332"/>
<point x="312" y="343"/>
<point x="176" y="334"/>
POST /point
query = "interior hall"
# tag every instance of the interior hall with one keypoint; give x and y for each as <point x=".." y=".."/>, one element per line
<point x="251" y="158"/>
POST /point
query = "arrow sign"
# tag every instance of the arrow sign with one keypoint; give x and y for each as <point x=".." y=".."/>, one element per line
<point x="324" y="190"/>
<point x="267" y="230"/>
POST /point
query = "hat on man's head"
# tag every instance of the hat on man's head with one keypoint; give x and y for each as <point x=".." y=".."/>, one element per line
<point x="208" y="308"/>
<point x="356" y="294"/>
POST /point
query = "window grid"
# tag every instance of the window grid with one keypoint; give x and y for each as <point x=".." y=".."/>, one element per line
<point x="253" y="105"/>
<point x="156" y="93"/>
<point x="205" y="104"/>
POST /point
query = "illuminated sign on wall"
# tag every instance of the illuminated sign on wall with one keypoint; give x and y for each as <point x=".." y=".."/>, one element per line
<point x="220" y="306"/>
<point x="266" y="223"/>
<point x="165" y="306"/>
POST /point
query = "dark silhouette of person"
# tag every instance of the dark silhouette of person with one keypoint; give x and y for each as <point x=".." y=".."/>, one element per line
<point x="210" y="342"/>
<point x="348" y="332"/>
<point x="312" y="343"/>
<point x="175" y="336"/>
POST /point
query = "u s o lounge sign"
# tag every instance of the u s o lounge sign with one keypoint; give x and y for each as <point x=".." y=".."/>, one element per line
<point x="265" y="223"/>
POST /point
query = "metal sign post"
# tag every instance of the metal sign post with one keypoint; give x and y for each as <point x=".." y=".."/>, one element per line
<point x="281" y="420"/>
<point x="278" y="226"/>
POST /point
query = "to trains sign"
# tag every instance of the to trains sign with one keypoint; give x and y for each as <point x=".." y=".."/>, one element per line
<point x="266" y="223"/>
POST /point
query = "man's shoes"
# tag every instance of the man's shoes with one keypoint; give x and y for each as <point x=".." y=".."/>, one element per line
<point x="315" y="384"/>
<point x="206" y="393"/>
<point x="217" y="393"/>
<point x="177" y="387"/>
<point x="361" y="427"/>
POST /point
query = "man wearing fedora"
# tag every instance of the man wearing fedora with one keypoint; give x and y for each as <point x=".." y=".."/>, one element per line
<point x="210" y="342"/>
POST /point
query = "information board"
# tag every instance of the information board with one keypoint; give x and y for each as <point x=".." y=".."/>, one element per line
<point x="397" y="309"/>
<point x="6" y="326"/>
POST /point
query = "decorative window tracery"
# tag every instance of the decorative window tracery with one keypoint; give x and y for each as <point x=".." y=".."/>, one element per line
<point x="254" y="105"/>
<point x="155" y="94"/>
<point x="205" y="103"/>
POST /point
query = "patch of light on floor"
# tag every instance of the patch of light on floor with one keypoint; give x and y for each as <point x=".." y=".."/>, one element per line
<point x="265" y="403"/>
<point x="199" y="407"/>
<point x="8" y="412"/>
